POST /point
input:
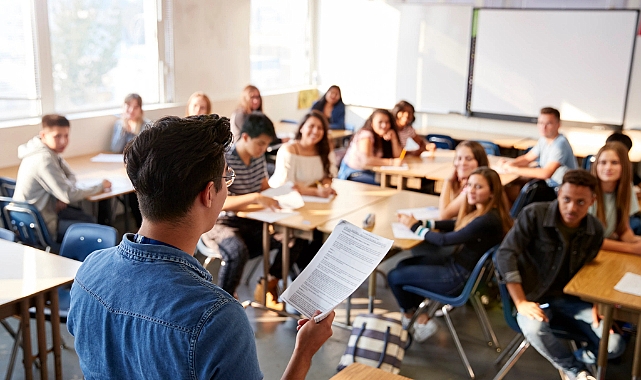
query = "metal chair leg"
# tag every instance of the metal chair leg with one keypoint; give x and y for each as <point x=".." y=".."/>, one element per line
<point x="509" y="350"/>
<point x="488" y="332"/>
<point x="512" y="360"/>
<point x="17" y="336"/>
<point x="459" y="347"/>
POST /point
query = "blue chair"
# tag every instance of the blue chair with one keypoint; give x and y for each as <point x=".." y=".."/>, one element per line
<point x="435" y="300"/>
<point x="490" y="148"/>
<point x="83" y="238"/>
<point x="441" y="141"/>
<point x="5" y="234"/>
<point x="516" y="348"/>
<point x="588" y="161"/>
<point x="7" y="186"/>
<point x="27" y="223"/>
<point x="535" y="190"/>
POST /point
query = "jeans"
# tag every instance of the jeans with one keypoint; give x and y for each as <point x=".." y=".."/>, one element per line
<point x="576" y="315"/>
<point x="436" y="272"/>
<point x="363" y="176"/>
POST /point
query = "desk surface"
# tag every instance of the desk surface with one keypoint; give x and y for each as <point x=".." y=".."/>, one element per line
<point x="26" y="271"/>
<point x="385" y="211"/>
<point x="358" y="371"/>
<point x="596" y="280"/>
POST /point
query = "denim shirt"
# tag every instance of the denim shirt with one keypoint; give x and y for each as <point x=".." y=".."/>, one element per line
<point x="151" y="311"/>
<point x="534" y="249"/>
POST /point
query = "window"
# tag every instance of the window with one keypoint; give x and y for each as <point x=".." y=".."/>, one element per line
<point x="280" y="44"/>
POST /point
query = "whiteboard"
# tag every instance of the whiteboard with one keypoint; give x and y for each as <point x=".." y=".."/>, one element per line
<point x="575" y="60"/>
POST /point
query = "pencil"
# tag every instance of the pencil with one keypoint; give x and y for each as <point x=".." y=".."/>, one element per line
<point x="403" y="154"/>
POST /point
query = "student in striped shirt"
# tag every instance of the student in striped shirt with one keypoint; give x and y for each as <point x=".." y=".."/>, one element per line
<point x="236" y="238"/>
<point x="404" y="113"/>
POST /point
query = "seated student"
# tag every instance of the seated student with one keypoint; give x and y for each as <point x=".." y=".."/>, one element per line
<point x="404" y="114"/>
<point x="469" y="156"/>
<point x="375" y="144"/>
<point x="46" y="180"/>
<point x="553" y="151"/>
<point x="198" y="104"/>
<point x="236" y="238"/>
<point x="331" y="105"/>
<point x="549" y="243"/>
<point x="615" y="199"/>
<point x="445" y="260"/>
<point x="250" y="101"/>
<point x="130" y="124"/>
<point x="147" y="309"/>
<point x="635" y="218"/>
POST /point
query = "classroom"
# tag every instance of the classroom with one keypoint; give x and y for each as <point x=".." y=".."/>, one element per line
<point x="378" y="52"/>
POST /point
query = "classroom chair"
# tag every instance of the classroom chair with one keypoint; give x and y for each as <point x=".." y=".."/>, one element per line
<point x="441" y="141"/>
<point x="490" y="148"/>
<point x="210" y="255"/>
<point x="588" y="161"/>
<point x="535" y="190"/>
<point x="446" y="303"/>
<point x="516" y="348"/>
<point x="7" y="186"/>
<point x="27" y="223"/>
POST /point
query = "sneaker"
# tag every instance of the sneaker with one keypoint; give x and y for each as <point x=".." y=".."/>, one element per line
<point x="423" y="331"/>
<point x="585" y="356"/>
<point x="585" y="375"/>
<point x="439" y="312"/>
<point x="405" y="321"/>
<point x="272" y="289"/>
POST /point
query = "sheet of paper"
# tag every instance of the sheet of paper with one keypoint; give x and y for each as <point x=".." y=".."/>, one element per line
<point x="402" y="232"/>
<point x="630" y="283"/>
<point x="421" y="213"/>
<point x="399" y="168"/>
<point x="104" y="157"/>
<point x="271" y="216"/>
<point x="286" y="196"/>
<point x="411" y="145"/>
<point x="347" y="258"/>
<point x="314" y="199"/>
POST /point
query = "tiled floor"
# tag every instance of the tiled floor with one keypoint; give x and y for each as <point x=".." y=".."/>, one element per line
<point x="436" y="358"/>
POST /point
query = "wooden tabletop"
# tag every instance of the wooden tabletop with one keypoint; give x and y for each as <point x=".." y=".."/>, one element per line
<point x="596" y="280"/>
<point x="27" y="271"/>
<point x="358" y="371"/>
<point x="385" y="211"/>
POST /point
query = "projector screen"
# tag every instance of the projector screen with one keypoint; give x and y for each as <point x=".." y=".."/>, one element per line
<point x="578" y="61"/>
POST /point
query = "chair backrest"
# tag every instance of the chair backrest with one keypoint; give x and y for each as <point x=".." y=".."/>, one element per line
<point x="588" y="161"/>
<point x="4" y="222"/>
<point x="28" y="225"/>
<point x="509" y="310"/>
<point x="490" y="147"/>
<point x="7" y="186"/>
<point x="83" y="238"/>
<point x="5" y="234"/>
<point x="534" y="191"/>
<point x="441" y="141"/>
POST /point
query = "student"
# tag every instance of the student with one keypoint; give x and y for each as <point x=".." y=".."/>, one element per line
<point x="375" y="144"/>
<point x="250" y="101"/>
<point x="198" y="104"/>
<point x="331" y="105"/>
<point x="553" y="151"/>
<point x="549" y="243"/>
<point x="635" y="218"/>
<point x="445" y="260"/>
<point x="236" y="238"/>
<point x="469" y="156"/>
<point x="615" y="198"/>
<point x="147" y="308"/>
<point x="46" y="180"/>
<point x="404" y="114"/>
<point x="130" y="124"/>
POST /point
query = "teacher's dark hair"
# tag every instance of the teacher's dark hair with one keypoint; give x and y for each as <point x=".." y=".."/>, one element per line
<point x="174" y="160"/>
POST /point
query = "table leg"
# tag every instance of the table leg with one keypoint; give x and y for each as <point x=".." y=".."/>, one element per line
<point x="266" y="263"/>
<point x="27" y="353"/>
<point x="285" y="256"/>
<point x="55" y="332"/>
<point x="636" y="364"/>
<point x="42" y="335"/>
<point x="371" y="291"/>
<point x="383" y="180"/>
<point x="602" y="360"/>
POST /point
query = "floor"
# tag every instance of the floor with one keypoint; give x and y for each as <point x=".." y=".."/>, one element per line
<point x="436" y="358"/>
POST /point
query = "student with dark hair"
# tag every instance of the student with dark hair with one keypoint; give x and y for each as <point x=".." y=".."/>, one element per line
<point x="174" y="322"/>
<point x="46" y="180"/>
<point x="549" y="243"/>
<point x="403" y="111"/>
<point x="615" y="198"/>
<point x="375" y="144"/>
<point x="236" y="238"/>
<point x="331" y="105"/>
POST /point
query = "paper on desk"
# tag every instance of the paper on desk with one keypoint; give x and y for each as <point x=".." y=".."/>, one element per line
<point x="402" y="232"/>
<point x="399" y="168"/>
<point x="315" y="199"/>
<point x="347" y="258"/>
<point x="411" y="145"/>
<point x="630" y="283"/>
<point x="421" y="213"/>
<point x="271" y="216"/>
<point x="104" y="157"/>
<point x="286" y="196"/>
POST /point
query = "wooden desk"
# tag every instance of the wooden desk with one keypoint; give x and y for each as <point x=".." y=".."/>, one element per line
<point x="595" y="283"/>
<point x="30" y="277"/>
<point x="358" y="371"/>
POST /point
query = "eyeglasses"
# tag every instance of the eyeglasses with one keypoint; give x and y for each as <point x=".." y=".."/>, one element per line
<point x="230" y="176"/>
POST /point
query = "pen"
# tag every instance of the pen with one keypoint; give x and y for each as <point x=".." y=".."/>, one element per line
<point x="402" y="156"/>
<point x="544" y="305"/>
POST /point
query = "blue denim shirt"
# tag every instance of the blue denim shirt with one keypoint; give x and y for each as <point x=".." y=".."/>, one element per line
<point x="151" y="311"/>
